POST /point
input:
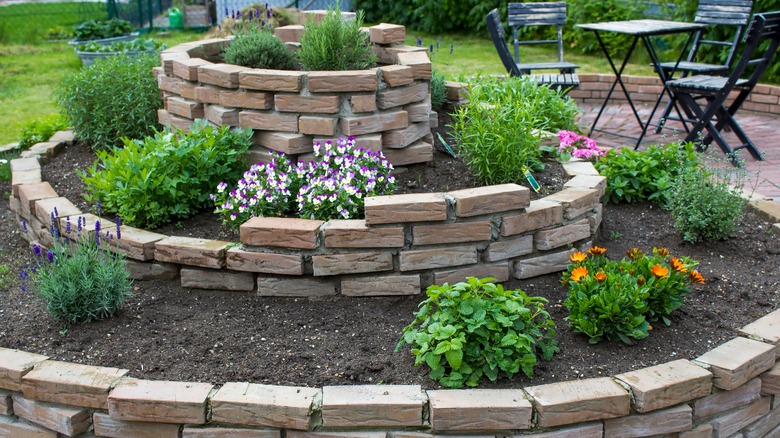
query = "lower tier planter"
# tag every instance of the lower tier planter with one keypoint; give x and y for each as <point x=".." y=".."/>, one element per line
<point x="88" y="58"/>
<point x="106" y="41"/>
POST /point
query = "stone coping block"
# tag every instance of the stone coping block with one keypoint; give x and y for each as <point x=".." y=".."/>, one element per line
<point x="222" y="75"/>
<point x="578" y="401"/>
<point x="417" y="207"/>
<point x="66" y="420"/>
<point x="159" y="401"/>
<point x="12" y="427"/>
<point x="29" y="193"/>
<point x="372" y="406"/>
<point x="479" y="409"/>
<point x="770" y="380"/>
<point x="385" y="33"/>
<point x="106" y="426"/>
<point x="14" y="364"/>
<point x="737" y="361"/>
<point x="191" y="251"/>
<point x="271" y="80"/>
<point x="667" y="384"/>
<point x="766" y="328"/>
<point x="287" y="407"/>
<point x="355" y="233"/>
<point x="540" y="213"/>
<point x="280" y="232"/>
<point x="490" y="199"/>
<point x="72" y="384"/>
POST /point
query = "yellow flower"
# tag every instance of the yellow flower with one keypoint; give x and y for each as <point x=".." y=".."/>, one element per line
<point x="597" y="250"/>
<point x="662" y="252"/>
<point x="659" y="271"/>
<point x="649" y="327"/>
<point x="634" y="254"/>
<point x="578" y="257"/>
<point x="600" y="277"/>
<point x="678" y="266"/>
<point x="696" y="277"/>
<point x="578" y="272"/>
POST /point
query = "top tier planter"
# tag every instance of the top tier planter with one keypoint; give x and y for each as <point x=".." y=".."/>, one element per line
<point x="386" y="108"/>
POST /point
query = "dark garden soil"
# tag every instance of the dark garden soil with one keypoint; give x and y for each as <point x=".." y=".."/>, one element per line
<point x="169" y="332"/>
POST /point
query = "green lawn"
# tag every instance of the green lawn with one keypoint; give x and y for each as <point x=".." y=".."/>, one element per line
<point x="29" y="22"/>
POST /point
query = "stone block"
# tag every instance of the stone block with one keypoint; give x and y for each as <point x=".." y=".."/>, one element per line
<point x="384" y="33"/>
<point x="67" y="137"/>
<point x="587" y="430"/>
<point x="668" y="384"/>
<point x="246" y="99"/>
<point x="415" y="260"/>
<point x="701" y="431"/>
<point x="219" y="115"/>
<point x="250" y="404"/>
<point x="24" y="171"/>
<point x="724" y="400"/>
<point x="221" y="75"/>
<point x="372" y="406"/>
<point x="167" y="119"/>
<point x="71" y="384"/>
<point x="15" y="364"/>
<point x="766" y="328"/>
<point x="168" y="56"/>
<point x="401" y="138"/>
<point x="479" y="409"/>
<point x="6" y="403"/>
<point x="159" y="401"/>
<point x="418" y="207"/>
<point x="187" y="90"/>
<point x="576" y="202"/>
<point x="187" y="68"/>
<point x="578" y="401"/>
<point x="268" y="121"/>
<point x="217" y="279"/>
<point x="287" y="142"/>
<point x="208" y="94"/>
<point x="289" y="34"/>
<point x="371" y="142"/>
<point x="169" y="84"/>
<point x="280" y="232"/>
<point x="732" y="422"/>
<point x="295" y="287"/>
<point x="66" y="420"/>
<point x="575" y="167"/>
<point x="106" y="426"/>
<point x="362" y="434"/>
<point x="228" y="432"/>
<point x="136" y="243"/>
<point x="499" y="271"/>
<point x="419" y="152"/>
<point x="419" y="112"/>
<point x="316" y="125"/>
<point x="363" y="103"/>
<point x="399" y="96"/>
<point x="271" y="80"/>
<point x="770" y="381"/>
<point x="456" y="91"/>
<point x="239" y="259"/>
<point x="389" y="54"/>
<point x="29" y="193"/>
<point x="737" y="361"/>
<point x="666" y="421"/>
<point x="191" y="251"/>
<point x="418" y="61"/>
<point x="45" y="208"/>
<point x="357" y="125"/>
<point x="598" y="183"/>
<point x="546" y="240"/>
<point x="11" y="427"/>
<point x="326" y="104"/>
<point x="509" y="248"/>
<point x="184" y="107"/>
<point x="490" y="199"/>
<point x="354" y="233"/>
<point x="151" y="271"/>
<point x="766" y="426"/>
<point x="456" y="232"/>
<point x="397" y="75"/>
<point x="342" y="81"/>
<point x="352" y="263"/>
<point x="387" y="285"/>
<point x="258" y="154"/>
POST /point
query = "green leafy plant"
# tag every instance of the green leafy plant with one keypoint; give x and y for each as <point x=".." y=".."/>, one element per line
<point x="585" y="11"/>
<point x="336" y="43"/>
<point x="477" y="329"/>
<point x="112" y="98"/>
<point x="40" y="129"/>
<point x="168" y="176"/>
<point x="638" y="176"/>
<point x="80" y="278"/>
<point x="499" y="131"/>
<point x="260" y="49"/>
<point x="57" y="33"/>
<point x="706" y="203"/>
<point x="98" y="30"/>
<point x="5" y="166"/>
<point x="136" y="45"/>
<point x="438" y="90"/>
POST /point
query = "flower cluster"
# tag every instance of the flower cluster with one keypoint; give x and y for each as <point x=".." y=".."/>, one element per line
<point x="613" y="299"/>
<point x="333" y="186"/>
<point x="578" y="146"/>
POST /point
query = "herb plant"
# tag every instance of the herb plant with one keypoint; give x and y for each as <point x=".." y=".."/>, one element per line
<point x="166" y="177"/>
<point x="98" y="30"/>
<point x="112" y="98"/>
<point x="438" y="90"/>
<point x="40" y="129"/>
<point x="260" y="49"/>
<point x="79" y="278"/>
<point x="476" y="329"/>
<point x="336" y="44"/>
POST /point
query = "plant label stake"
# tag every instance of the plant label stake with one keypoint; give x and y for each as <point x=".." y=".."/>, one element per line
<point x="531" y="179"/>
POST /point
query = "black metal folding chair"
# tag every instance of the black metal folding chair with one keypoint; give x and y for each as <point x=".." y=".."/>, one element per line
<point x="565" y="81"/>
<point x="539" y="14"/>
<point x="716" y="113"/>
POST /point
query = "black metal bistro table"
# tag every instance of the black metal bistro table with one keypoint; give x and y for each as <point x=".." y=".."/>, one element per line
<point x="641" y="30"/>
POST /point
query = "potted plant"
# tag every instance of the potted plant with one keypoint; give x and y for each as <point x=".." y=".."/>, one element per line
<point x="88" y="53"/>
<point x="102" y="32"/>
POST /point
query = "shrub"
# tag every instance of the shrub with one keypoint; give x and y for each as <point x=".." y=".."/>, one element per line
<point x="40" y="129"/>
<point x="586" y="11"/>
<point x="638" y="176"/>
<point x="438" y="90"/>
<point x="336" y="44"/>
<point x="499" y="130"/>
<point x="83" y="280"/>
<point x="476" y="329"/>
<point x="336" y="186"/>
<point x="168" y="176"/>
<point x="112" y="98"/>
<point x="613" y="299"/>
<point x="706" y="204"/>
<point x="260" y="49"/>
<point x="98" y="30"/>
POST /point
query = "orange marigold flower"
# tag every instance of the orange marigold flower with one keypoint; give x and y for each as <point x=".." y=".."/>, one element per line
<point x="600" y="277"/>
<point x="659" y="271"/>
<point x="678" y="266"/>
<point x="634" y="253"/>
<point x="640" y="281"/>
<point x="597" y="250"/>
<point x="696" y="277"/>
<point x="578" y="272"/>
<point x="663" y="252"/>
<point x="578" y="257"/>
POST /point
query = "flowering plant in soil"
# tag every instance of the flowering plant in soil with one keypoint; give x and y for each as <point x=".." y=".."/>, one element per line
<point x="80" y="277"/>
<point x="333" y="186"/>
<point x="577" y="146"/>
<point x="613" y="299"/>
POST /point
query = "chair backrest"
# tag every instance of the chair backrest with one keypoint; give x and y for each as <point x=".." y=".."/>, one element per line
<point x="537" y="14"/>
<point x="763" y="27"/>
<point x="732" y="13"/>
<point x="496" y="31"/>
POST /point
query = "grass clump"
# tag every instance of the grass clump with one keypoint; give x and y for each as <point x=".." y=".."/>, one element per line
<point x="40" y="129"/>
<point x="260" y="49"/>
<point x="336" y="43"/>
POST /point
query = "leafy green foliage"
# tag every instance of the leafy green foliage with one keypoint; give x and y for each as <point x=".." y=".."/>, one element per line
<point x="5" y="165"/>
<point x="260" y="49"/>
<point x="136" y="45"/>
<point x="336" y="44"/>
<point x="112" y="98"/>
<point x="706" y="204"/>
<point x="434" y="17"/>
<point x="98" y="30"/>
<point x="438" y="91"/>
<point x="40" y="129"/>
<point x="585" y="11"/>
<point x="168" y="176"/>
<point x="499" y="131"/>
<point x="638" y="176"/>
<point x="476" y="329"/>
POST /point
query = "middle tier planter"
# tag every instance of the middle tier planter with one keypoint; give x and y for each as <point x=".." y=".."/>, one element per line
<point x="386" y="108"/>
